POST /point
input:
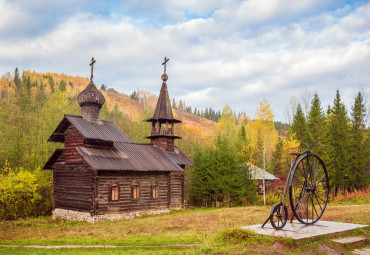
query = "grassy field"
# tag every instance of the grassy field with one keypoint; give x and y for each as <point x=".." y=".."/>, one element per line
<point x="212" y="231"/>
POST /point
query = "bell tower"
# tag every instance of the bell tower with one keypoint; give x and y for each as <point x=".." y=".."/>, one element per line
<point x="163" y="122"/>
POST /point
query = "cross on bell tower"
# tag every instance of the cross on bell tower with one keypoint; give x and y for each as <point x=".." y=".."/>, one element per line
<point x="164" y="63"/>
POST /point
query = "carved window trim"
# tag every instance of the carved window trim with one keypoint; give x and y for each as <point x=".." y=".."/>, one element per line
<point x="135" y="190"/>
<point x="155" y="190"/>
<point x="114" y="192"/>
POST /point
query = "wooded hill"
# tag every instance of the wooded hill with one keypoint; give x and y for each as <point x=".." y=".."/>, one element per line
<point x="32" y="104"/>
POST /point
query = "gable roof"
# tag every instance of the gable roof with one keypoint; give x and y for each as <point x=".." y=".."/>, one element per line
<point x="102" y="130"/>
<point x="123" y="155"/>
<point x="128" y="157"/>
<point x="54" y="157"/>
<point x="260" y="174"/>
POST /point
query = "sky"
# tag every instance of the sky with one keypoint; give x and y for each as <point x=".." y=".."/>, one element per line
<point x="222" y="52"/>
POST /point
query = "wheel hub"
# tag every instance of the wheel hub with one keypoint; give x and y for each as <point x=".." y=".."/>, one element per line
<point x="310" y="189"/>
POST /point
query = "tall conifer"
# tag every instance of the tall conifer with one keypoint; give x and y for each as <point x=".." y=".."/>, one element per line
<point x="316" y="122"/>
<point x="339" y="137"/>
<point x="299" y="126"/>
<point x="17" y="79"/>
<point x="317" y="128"/>
<point x="359" y="149"/>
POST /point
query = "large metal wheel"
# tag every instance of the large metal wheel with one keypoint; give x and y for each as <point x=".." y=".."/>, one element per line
<point x="309" y="189"/>
<point x="279" y="215"/>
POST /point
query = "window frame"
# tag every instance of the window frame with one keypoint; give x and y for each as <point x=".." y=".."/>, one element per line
<point x="111" y="185"/>
<point x="135" y="185"/>
<point x="155" y="185"/>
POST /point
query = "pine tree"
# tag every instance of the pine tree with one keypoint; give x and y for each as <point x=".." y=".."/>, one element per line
<point x="299" y="126"/>
<point x="51" y="84"/>
<point x="359" y="153"/>
<point x="62" y="86"/>
<point x="17" y="79"/>
<point x="258" y="153"/>
<point x="339" y="137"/>
<point x="132" y="96"/>
<point x="244" y="187"/>
<point x="316" y="122"/>
<point x="317" y="129"/>
<point x="277" y="158"/>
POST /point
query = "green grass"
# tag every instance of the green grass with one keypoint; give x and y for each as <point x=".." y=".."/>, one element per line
<point x="216" y="230"/>
<point x="129" y="250"/>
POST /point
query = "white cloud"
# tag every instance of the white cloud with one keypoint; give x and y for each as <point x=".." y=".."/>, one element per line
<point x="11" y="16"/>
<point x="214" y="61"/>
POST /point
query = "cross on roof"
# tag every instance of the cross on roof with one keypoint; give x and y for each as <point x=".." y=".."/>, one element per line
<point x="164" y="63"/>
<point x="93" y="61"/>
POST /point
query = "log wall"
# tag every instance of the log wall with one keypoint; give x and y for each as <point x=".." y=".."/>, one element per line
<point x="125" y="180"/>
<point x="73" y="178"/>
<point x="176" y="187"/>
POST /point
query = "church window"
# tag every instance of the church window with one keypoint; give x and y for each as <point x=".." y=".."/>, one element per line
<point x="135" y="190"/>
<point x="114" y="192"/>
<point x="155" y="190"/>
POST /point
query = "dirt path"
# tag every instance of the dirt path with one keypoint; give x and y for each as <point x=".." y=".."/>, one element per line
<point x="97" y="246"/>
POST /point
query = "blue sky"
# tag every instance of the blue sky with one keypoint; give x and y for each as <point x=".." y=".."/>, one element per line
<point x="221" y="51"/>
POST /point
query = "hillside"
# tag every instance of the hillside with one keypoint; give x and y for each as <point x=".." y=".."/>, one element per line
<point x="135" y="109"/>
<point x="32" y="104"/>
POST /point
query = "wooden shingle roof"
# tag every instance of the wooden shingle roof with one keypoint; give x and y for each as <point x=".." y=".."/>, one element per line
<point x="122" y="155"/>
<point x="163" y="110"/>
<point x="101" y="131"/>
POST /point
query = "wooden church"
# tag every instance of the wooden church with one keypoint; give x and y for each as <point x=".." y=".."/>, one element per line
<point x="101" y="174"/>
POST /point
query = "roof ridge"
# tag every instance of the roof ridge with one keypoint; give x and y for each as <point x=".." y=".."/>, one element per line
<point x="136" y="143"/>
<point x="79" y="116"/>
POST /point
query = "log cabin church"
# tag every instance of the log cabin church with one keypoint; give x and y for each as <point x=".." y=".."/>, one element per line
<point x="101" y="174"/>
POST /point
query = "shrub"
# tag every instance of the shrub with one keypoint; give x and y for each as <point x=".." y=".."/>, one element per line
<point x="272" y="197"/>
<point x="24" y="193"/>
<point x="354" y="197"/>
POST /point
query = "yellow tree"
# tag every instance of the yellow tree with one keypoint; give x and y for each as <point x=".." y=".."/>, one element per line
<point x="263" y="134"/>
<point x="226" y="125"/>
<point x="288" y="144"/>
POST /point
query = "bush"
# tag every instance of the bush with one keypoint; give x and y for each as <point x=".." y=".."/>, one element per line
<point x="354" y="197"/>
<point x="273" y="197"/>
<point x="24" y="193"/>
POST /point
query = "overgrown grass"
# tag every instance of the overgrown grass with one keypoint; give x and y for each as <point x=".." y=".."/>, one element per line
<point x="125" y="250"/>
<point x="357" y="197"/>
<point x="216" y="230"/>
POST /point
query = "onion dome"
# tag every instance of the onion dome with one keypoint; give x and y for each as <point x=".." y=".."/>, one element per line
<point x="91" y="96"/>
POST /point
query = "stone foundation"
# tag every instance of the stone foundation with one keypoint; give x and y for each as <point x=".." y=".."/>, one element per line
<point x="64" y="214"/>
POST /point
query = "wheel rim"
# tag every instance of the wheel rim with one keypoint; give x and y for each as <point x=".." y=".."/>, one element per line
<point x="278" y="216"/>
<point x="309" y="189"/>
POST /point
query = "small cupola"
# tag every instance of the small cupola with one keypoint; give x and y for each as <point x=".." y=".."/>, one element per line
<point x="91" y="99"/>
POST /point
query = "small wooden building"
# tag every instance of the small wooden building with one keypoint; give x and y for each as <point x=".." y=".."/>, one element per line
<point x="101" y="174"/>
